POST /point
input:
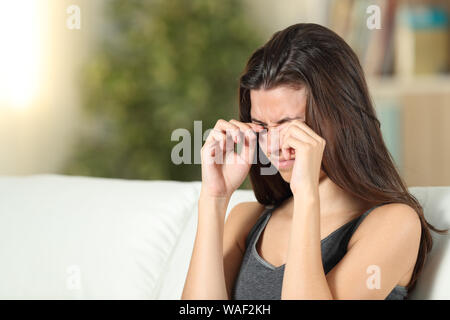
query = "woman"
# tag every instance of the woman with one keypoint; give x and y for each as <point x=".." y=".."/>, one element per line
<point x="335" y="221"/>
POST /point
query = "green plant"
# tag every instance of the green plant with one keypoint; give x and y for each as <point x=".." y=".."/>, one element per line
<point x="160" y="66"/>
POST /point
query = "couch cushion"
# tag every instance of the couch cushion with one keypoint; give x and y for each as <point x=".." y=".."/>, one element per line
<point x="172" y="283"/>
<point x="434" y="282"/>
<point x="70" y="237"/>
<point x="67" y="237"/>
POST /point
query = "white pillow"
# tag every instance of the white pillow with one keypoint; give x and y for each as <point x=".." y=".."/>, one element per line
<point x="64" y="237"/>
<point x="434" y="282"/>
<point x="172" y="283"/>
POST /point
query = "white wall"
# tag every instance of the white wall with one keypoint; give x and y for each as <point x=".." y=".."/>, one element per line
<point x="35" y="137"/>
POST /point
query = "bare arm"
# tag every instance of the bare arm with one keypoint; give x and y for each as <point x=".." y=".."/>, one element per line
<point x="389" y="241"/>
<point x="216" y="256"/>
<point x="304" y="277"/>
<point x="205" y="278"/>
<point x="215" y="263"/>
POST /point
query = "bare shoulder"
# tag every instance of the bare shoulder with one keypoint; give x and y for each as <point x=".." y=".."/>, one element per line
<point x="241" y="219"/>
<point x="395" y="221"/>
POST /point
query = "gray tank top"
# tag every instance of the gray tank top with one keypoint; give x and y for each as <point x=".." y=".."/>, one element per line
<point x="260" y="280"/>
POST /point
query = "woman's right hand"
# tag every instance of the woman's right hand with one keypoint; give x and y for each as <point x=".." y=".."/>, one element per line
<point x="224" y="170"/>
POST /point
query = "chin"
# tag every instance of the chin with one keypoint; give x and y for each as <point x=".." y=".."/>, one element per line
<point x="286" y="174"/>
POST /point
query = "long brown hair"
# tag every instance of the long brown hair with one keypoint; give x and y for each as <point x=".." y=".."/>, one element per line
<point x="340" y="110"/>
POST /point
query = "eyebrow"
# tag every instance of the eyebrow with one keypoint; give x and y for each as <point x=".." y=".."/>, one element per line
<point x="285" y="119"/>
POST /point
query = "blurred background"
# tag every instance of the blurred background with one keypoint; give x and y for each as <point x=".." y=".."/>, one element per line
<point x="96" y="87"/>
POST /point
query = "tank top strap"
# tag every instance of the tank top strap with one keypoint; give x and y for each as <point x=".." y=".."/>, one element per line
<point x="361" y="219"/>
<point x="335" y="246"/>
<point x="254" y="230"/>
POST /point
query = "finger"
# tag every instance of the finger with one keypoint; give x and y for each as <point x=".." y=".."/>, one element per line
<point x="293" y="143"/>
<point x="301" y="134"/>
<point x="247" y="126"/>
<point x="308" y="130"/>
<point x="243" y="127"/>
<point x="263" y="134"/>
<point x="210" y="151"/>
<point x="232" y="137"/>
<point x="249" y="148"/>
<point x="228" y="128"/>
<point x="248" y="130"/>
<point x="256" y="127"/>
<point x="273" y="142"/>
<point x="218" y="137"/>
<point x="286" y="152"/>
<point x="283" y="134"/>
<point x="248" y="133"/>
<point x="218" y="145"/>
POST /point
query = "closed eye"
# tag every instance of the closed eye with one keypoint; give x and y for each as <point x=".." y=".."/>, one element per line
<point x="261" y="124"/>
<point x="286" y="119"/>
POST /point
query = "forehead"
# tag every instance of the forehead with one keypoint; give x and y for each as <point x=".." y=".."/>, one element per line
<point x="274" y="104"/>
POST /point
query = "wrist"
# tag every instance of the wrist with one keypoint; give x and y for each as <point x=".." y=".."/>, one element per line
<point x="210" y="207"/>
<point x="305" y="188"/>
<point x="305" y="203"/>
<point x="214" y="199"/>
<point x="205" y="192"/>
<point x="306" y="193"/>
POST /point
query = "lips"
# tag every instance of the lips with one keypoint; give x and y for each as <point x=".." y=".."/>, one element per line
<point x="283" y="164"/>
<point x="286" y="164"/>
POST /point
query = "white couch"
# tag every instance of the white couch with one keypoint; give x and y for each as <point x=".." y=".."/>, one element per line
<point x="68" y="237"/>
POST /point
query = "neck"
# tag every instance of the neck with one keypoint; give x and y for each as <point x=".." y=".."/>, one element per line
<point x="334" y="201"/>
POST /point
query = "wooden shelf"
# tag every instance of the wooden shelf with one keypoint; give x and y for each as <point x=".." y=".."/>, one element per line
<point x="414" y="114"/>
<point x="392" y="87"/>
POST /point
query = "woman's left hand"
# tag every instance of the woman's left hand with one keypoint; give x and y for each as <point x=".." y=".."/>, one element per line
<point x="309" y="149"/>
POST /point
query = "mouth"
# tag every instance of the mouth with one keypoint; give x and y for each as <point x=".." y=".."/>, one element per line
<point x="284" y="164"/>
